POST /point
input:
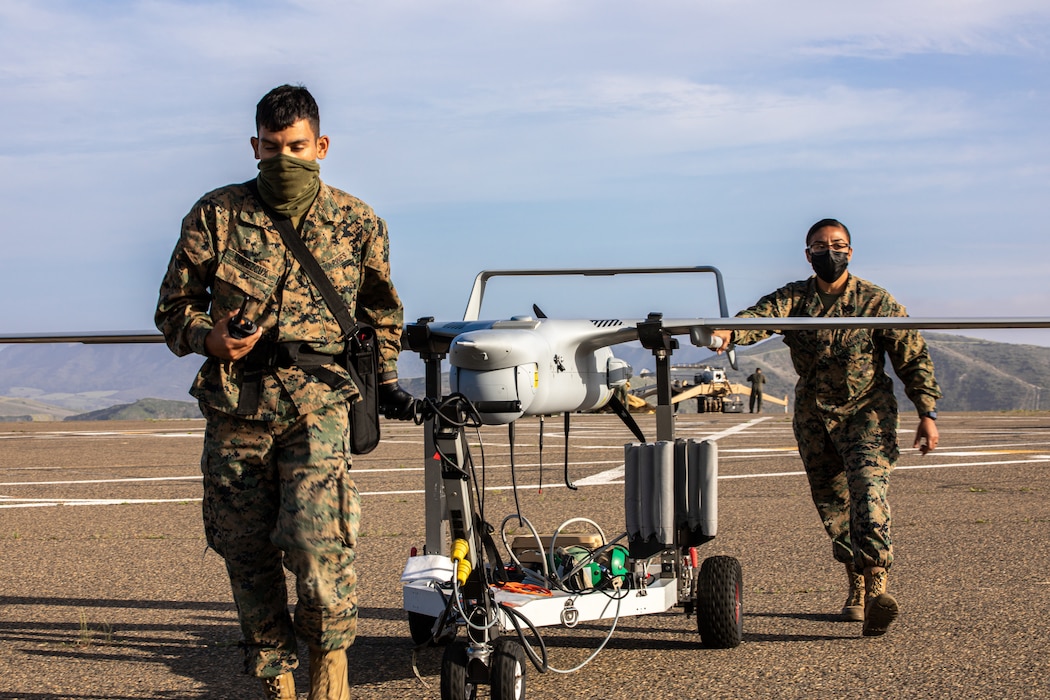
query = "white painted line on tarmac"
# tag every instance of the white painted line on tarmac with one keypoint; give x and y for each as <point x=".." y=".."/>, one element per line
<point x="610" y="476"/>
<point x="508" y="487"/>
<point x="101" y="434"/>
<point x="1046" y="458"/>
<point x="984" y="453"/>
<point x="616" y="474"/>
<point x="151" y="479"/>
<point x="1043" y="458"/>
<point x="11" y="502"/>
<point x="517" y="465"/>
<point x="756" y="450"/>
<point x="126" y="480"/>
<point x="735" y="429"/>
<point x="50" y="502"/>
<point x="998" y="446"/>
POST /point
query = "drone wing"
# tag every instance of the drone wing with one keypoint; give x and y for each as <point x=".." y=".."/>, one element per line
<point x="89" y="338"/>
<point x="685" y="326"/>
<point x="606" y="332"/>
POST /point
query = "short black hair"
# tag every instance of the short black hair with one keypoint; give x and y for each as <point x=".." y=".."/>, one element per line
<point x="824" y="223"/>
<point x="284" y="106"/>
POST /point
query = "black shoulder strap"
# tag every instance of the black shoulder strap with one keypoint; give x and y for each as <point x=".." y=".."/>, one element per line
<point x="313" y="269"/>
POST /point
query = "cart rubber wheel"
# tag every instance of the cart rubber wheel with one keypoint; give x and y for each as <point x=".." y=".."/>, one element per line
<point x="720" y="603"/>
<point x="421" y="627"/>
<point x="454" y="679"/>
<point x="507" y="674"/>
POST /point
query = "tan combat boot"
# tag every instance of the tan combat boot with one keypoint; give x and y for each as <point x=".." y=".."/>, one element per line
<point x="329" y="675"/>
<point x="280" y="687"/>
<point x="853" y="609"/>
<point x="881" y="608"/>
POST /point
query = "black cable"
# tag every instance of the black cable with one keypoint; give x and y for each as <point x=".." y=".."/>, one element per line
<point x="479" y="489"/>
<point x="470" y="467"/>
<point x="540" y="664"/>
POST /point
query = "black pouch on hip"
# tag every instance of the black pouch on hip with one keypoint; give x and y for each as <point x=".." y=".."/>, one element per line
<point x="361" y="360"/>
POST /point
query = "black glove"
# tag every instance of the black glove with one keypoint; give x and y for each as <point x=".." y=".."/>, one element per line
<point x="396" y="403"/>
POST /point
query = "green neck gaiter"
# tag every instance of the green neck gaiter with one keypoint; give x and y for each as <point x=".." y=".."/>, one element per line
<point x="288" y="185"/>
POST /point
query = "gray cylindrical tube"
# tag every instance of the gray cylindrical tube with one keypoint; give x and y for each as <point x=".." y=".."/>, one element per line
<point x="693" y="485"/>
<point x="645" y="491"/>
<point x="663" y="492"/>
<point x="631" y="491"/>
<point x="709" y="488"/>
<point x="681" y="483"/>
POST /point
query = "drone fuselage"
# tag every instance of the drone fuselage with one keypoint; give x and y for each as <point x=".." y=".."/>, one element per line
<point x="528" y="367"/>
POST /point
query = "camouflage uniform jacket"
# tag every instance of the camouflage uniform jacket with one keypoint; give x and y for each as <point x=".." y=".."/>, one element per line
<point x="229" y="249"/>
<point x="842" y="371"/>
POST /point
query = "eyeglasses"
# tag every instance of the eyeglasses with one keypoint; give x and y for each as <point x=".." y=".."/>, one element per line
<point x="837" y="246"/>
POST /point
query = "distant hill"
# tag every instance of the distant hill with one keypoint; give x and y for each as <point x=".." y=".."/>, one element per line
<point x="83" y="378"/>
<point x="974" y="374"/>
<point x="15" y="410"/>
<point x="52" y="382"/>
<point x="143" y="409"/>
<point x="980" y="375"/>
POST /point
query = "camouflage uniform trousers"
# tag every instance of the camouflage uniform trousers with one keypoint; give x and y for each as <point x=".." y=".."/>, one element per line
<point x="848" y="463"/>
<point x="280" y="493"/>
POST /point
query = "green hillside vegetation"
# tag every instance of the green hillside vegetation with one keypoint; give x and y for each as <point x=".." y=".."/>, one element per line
<point x="143" y="409"/>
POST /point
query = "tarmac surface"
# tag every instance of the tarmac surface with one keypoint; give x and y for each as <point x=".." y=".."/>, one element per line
<point x="108" y="591"/>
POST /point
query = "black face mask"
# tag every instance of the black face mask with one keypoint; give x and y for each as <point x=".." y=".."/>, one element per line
<point x="830" y="264"/>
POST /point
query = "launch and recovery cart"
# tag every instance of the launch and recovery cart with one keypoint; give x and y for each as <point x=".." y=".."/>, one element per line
<point x="670" y="504"/>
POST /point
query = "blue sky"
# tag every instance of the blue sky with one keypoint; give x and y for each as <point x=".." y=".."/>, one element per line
<point x="586" y="133"/>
